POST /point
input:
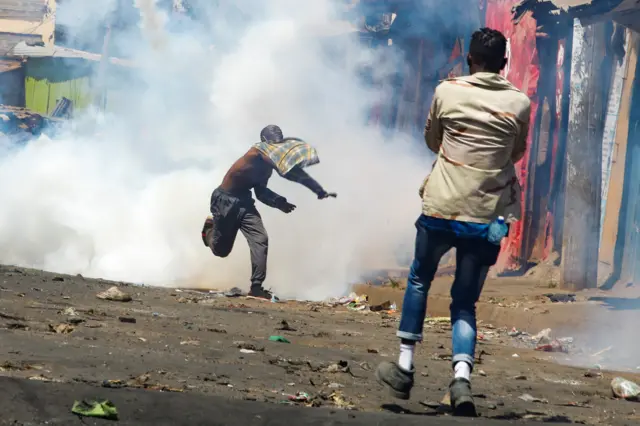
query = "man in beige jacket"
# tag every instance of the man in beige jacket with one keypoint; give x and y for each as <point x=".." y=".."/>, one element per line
<point x="478" y="128"/>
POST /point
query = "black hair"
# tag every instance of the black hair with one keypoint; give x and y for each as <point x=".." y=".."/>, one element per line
<point x="488" y="48"/>
<point x="271" y="133"/>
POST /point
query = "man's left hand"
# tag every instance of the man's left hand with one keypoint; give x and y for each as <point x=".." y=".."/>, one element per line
<point x="325" y="194"/>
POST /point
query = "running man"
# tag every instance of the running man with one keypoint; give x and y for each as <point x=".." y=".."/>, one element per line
<point x="233" y="208"/>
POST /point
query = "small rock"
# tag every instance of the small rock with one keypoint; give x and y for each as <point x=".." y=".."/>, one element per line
<point x="70" y="312"/>
<point x="521" y="377"/>
<point x="190" y="343"/>
<point x="57" y="279"/>
<point x="482" y="373"/>
<point x="284" y="326"/>
<point x="529" y="398"/>
<point x="335" y="386"/>
<point x="129" y="320"/>
<point x="515" y="356"/>
<point x="372" y="351"/>
<point x="114" y="294"/>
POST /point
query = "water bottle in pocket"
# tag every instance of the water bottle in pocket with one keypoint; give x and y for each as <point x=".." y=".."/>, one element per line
<point x="498" y="229"/>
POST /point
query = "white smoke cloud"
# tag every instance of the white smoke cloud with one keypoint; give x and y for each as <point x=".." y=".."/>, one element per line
<point x="123" y="196"/>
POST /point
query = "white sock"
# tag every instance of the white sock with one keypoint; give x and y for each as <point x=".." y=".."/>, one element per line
<point x="462" y="370"/>
<point x="406" y="356"/>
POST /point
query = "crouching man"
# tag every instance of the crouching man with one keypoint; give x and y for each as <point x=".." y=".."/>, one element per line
<point x="233" y="208"/>
<point x="478" y="128"/>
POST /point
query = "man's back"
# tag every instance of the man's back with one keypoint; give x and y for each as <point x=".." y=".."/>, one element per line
<point x="478" y="126"/>
<point x="249" y="171"/>
<point x="483" y="118"/>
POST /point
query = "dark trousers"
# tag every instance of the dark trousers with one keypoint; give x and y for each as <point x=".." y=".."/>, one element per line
<point x="474" y="256"/>
<point x="230" y="215"/>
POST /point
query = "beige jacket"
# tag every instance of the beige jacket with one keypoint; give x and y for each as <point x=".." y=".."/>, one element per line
<point x="478" y="126"/>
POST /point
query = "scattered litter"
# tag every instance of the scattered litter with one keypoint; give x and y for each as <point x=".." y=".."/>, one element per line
<point x="103" y="410"/>
<point x="299" y="397"/>
<point x="113" y="384"/>
<point x="554" y="346"/>
<point x="560" y="298"/>
<point x="142" y="339"/>
<point x="129" y="320"/>
<point x="482" y="373"/>
<point x="70" y="312"/>
<point x="114" y="294"/>
<point x="234" y="292"/>
<point x="337" y="398"/>
<point x="576" y="404"/>
<point x="61" y="328"/>
<point x="514" y="332"/>
<point x="190" y="343"/>
<point x="543" y="337"/>
<point x="386" y="306"/>
<point x="365" y="366"/>
<point x="249" y="346"/>
<point x="335" y="385"/>
<point x="278" y="339"/>
<point x="438" y="320"/>
<point x="625" y="389"/>
<point x="247" y="351"/>
<point x="44" y="379"/>
<point x="353" y="306"/>
<point x="9" y="366"/>
<point x="515" y="356"/>
<point x="274" y="299"/>
<point x="17" y="326"/>
<point x="529" y="398"/>
<point x="353" y="299"/>
<point x="339" y="367"/>
<point x="591" y="373"/>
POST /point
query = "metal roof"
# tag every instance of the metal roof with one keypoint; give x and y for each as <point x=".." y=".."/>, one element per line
<point x="24" y="10"/>
<point x="9" y="65"/>
<point x="9" y="40"/>
<point x="24" y="50"/>
<point x="623" y="12"/>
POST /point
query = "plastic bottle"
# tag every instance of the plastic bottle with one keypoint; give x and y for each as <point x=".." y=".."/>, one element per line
<point x="497" y="231"/>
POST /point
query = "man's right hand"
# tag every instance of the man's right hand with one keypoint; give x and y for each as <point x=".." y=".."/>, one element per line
<point x="286" y="207"/>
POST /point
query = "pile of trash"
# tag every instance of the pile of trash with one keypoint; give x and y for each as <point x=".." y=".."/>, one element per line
<point x="543" y="341"/>
<point x="355" y="302"/>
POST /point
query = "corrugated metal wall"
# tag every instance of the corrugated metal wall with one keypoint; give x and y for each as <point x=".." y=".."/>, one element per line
<point x="523" y="71"/>
<point x="47" y="80"/>
<point x="12" y="87"/>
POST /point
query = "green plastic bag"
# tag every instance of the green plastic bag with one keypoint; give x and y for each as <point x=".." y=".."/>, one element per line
<point x="278" y="339"/>
<point x="99" y="409"/>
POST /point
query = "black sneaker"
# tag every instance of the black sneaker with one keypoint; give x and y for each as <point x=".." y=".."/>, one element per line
<point x="399" y="381"/>
<point x="208" y="224"/>
<point x="462" y="398"/>
<point x="260" y="293"/>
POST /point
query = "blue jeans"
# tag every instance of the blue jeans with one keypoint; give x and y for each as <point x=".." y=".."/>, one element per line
<point x="474" y="256"/>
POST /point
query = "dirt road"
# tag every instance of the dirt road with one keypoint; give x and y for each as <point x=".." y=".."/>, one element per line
<point x="60" y="337"/>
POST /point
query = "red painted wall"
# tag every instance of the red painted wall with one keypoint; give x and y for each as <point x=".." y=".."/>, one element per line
<point x="523" y="72"/>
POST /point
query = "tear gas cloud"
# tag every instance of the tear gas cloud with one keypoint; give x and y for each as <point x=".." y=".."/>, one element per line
<point x="123" y="195"/>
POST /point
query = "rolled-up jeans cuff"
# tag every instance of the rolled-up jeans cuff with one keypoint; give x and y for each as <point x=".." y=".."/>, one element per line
<point x="463" y="357"/>
<point x="409" y="336"/>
